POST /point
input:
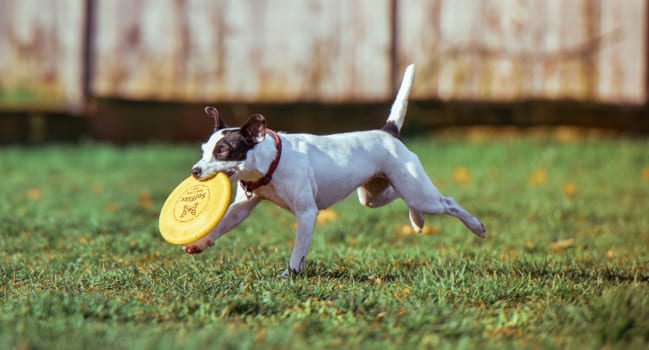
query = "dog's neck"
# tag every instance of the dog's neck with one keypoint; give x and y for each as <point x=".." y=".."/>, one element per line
<point x="262" y="160"/>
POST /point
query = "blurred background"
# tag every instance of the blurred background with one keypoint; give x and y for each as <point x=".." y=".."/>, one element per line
<point x="142" y="70"/>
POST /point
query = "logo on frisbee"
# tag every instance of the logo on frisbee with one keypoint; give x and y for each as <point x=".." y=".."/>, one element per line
<point x="191" y="203"/>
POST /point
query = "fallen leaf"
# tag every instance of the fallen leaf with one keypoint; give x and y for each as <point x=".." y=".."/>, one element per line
<point x="326" y="216"/>
<point x="570" y="189"/>
<point x="530" y="245"/>
<point x="430" y="230"/>
<point x="611" y="253"/>
<point x="562" y="244"/>
<point x="407" y="230"/>
<point x="461" y="175"/>
<point x="112" y="207"/>
<point x="97" y="189"/>
<point x="566" y="134"/>
<point x="374" y="279"/>
<point x="35" y="194"/>
<point x="145" y="200"/>
<point x="539" y="177"/>
<point x="645" y="174"/>
<point x="505" y="331"/>
<point x="261" y="336"/>
<point x="402" y="293"/>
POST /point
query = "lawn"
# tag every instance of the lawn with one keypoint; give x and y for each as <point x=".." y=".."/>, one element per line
<point x="565" y="263"/>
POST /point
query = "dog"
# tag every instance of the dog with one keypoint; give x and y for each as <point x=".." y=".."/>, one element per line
<point x="305" y="173"/>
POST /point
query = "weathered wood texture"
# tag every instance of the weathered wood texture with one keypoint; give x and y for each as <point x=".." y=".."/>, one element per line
<point x="505" y="50"/>
<point x="331" y="51"/>
<point x="234" y="50"/>
<point x="41" y="55"/>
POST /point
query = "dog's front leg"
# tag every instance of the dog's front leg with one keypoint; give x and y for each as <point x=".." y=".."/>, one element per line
<point x="237" y="212"/>
<point x="305" y="226"/>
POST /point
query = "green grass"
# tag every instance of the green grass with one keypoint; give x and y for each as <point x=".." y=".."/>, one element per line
<point x="82" y="264"/>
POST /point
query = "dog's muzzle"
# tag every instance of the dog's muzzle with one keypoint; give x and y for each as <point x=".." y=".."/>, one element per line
<point x="197" y="172"/>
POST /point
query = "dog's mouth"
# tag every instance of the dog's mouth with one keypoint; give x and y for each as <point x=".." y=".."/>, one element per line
<point x="229" y="172"/>
<point x="201" y="175"/>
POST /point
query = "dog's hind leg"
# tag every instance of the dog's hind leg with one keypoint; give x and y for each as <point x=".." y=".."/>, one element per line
<point x="447" y="205"/>
<point x="451" y="207"/>
<point x="378" y="192"/>
<point x="416" y="189"/>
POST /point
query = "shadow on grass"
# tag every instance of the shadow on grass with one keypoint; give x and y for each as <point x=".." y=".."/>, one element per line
<point x="537" y="270"/>
<point x="577" y="274"/>
<point x="315" y="269"/>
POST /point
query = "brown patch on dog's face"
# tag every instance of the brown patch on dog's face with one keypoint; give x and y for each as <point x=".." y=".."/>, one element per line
<point x="232" y="147"/>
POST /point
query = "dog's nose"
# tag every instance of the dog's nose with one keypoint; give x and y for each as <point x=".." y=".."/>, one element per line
<point x="196" y="172"/>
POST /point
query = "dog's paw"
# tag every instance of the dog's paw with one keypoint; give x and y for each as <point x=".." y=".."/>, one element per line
<point x="480" y="231"/>
<point x="198" y="246"/>
<point x="289" y="273"/>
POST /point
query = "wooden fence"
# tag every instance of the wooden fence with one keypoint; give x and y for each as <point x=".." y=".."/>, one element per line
<point x="56" y="55"/>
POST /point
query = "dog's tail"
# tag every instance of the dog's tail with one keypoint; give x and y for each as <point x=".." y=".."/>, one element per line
<point x="400" y="105"/>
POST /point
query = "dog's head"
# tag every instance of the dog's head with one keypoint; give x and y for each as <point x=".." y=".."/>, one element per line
<point x="227" y="149"/>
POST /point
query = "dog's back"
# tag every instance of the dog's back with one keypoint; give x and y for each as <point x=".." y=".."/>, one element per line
<point x="357" y="157"/>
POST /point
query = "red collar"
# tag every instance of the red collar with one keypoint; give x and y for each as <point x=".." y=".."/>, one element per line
<point x="250" y="186"/>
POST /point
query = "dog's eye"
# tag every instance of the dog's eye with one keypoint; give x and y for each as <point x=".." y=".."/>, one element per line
<point x="221" y="150"/>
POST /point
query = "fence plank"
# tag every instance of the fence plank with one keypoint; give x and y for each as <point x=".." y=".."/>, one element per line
<point x="40" y="55"/>
<point x="622" y="66"/>
<point x="506" y="50"/>
<point x="234" y="50"/>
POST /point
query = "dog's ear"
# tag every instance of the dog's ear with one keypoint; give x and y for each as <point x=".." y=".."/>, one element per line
<point x="254" y="130"/>
<point x="219" y="123"/>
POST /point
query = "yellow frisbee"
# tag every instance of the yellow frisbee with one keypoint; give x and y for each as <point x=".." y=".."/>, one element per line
<point x="194" y="208"/>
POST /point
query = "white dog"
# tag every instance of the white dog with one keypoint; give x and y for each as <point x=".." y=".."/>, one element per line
<point x="304" y="173"/>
